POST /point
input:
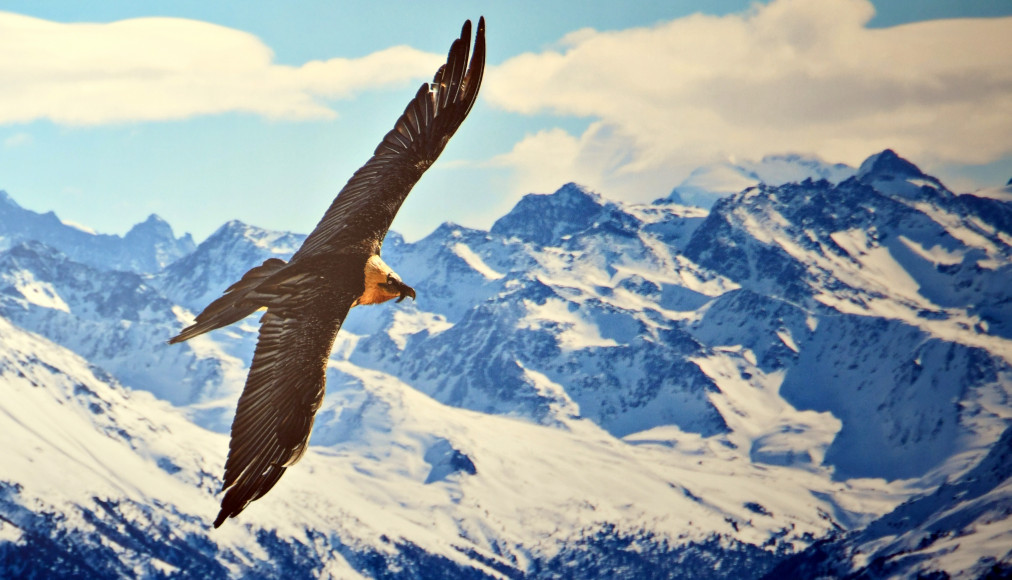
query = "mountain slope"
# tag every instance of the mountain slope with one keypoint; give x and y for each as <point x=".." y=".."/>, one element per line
<point x="886" y="245"/>
<point x="588" y="389"/>
<point x="102" y="480"/>
<point x="148" y="246"/>
<point x="555" y="326"/>
<point x="117" y="320"/>
<point x="959" y="531"/>
<point x="198" y="278"/>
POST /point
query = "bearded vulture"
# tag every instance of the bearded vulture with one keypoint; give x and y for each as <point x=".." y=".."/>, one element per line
<point x="337" y="267"/>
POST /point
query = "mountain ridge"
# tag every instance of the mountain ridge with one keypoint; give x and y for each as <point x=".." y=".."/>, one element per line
<point x="723" y="388"/>
<point x="147" y="247"/>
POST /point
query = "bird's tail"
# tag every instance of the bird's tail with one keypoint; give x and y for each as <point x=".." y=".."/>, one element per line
<point x="234" y="305"/>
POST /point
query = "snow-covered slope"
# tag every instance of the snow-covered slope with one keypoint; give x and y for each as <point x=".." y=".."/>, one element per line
<point x="101" y="480"/>
<point x="897" y="245"/>
<point x="148" y="246"/>
<point x="580" y="319"/>
<point x="118" y="321"/>
<point x="588" y="388"/>
<point x="961" y="530"/>
<point x="906" y="286"/>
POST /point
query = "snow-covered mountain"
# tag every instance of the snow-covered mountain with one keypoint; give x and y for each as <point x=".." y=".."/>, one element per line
<point x="148" y="247"/>
<point x="961" y="530"/>
<point x="709" y="183"/>
<point x="99" y="480"/>
<point x="119" y="322"/>
<point x="199" y="277"/>
<point x="588" y="389"/>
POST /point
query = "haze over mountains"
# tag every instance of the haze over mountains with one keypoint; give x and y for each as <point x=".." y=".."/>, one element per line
<point x="809" y="372"/>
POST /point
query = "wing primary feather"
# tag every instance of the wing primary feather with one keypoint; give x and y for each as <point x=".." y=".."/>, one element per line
<point x="472" y="82"/>
<point x="418" y="137"/>
<point x="456" y="61"/>
<point x="283" y="391"/>
<point x="438" y="77"/>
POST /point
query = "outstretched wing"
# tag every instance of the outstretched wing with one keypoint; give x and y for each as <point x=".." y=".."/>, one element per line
<point x="365" y="208"/>
<point x="283" y="391"/>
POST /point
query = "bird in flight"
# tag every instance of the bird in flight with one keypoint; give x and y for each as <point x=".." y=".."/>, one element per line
<point x="337" y="267"/>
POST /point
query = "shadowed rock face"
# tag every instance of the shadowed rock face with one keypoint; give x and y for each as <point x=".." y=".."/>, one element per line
<point x="547" y="219"/>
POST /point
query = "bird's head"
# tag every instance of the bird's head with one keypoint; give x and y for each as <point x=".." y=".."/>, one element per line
<point x="395" y="287"/>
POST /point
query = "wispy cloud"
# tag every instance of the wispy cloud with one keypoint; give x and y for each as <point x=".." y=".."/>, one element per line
<point x="170" y="68"/>
<point x="17" y="140"/>
<point x="789" y="76"/>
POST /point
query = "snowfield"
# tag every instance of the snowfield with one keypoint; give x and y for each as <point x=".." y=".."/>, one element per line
<point x="812" y="377"/>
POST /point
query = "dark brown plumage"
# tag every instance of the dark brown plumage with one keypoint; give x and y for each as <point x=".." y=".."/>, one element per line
<point x="337" y="267"/>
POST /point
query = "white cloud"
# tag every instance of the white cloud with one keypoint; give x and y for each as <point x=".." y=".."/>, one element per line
<point x="790" y="76"/>
<point x="17" y="140"/>
<point x="602" y="158"/>
<point x="170" y="68"/>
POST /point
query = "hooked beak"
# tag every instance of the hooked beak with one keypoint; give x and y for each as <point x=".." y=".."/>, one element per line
<point x="402" y="289"/>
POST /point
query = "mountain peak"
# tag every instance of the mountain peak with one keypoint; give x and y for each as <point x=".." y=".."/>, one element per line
<point x="887" y="163"/>
<point x="545" y="218"/>
<point x="893" y="175"/>
<point x="34" y="250"/>
<point x="231" y="229"/>
<point x="152" y="225"/>
<point x="6" y="199"/>
<point x="236" y="231"/>
<point x="575" y="191"/>
<point x="156" y="243"/>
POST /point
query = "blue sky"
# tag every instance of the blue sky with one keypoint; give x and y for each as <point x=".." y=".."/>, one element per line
<point x="204" y="112"/>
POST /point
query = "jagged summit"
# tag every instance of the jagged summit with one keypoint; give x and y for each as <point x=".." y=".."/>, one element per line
<point x="445" y="229"/>
<point x="156" y="234"/>
<point x="153" y="222"/>
<point x="232" y="231"/>
<point x="31" y="250"/>
<point x="894" y="176"/>
<point x="571" y="195"/>
<point x="887" y="163"/>
<point x="231" y="226"/>
<point x="147" y="247"/>
<point x="6" y="199"/>
<point x="200" y="276"/>
<point x="545" y="219"/>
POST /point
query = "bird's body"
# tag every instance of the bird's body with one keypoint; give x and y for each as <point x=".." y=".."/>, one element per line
<point x="338" y="267"/>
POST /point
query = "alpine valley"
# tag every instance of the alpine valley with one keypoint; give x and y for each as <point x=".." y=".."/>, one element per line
<point x="807" y="374"/>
